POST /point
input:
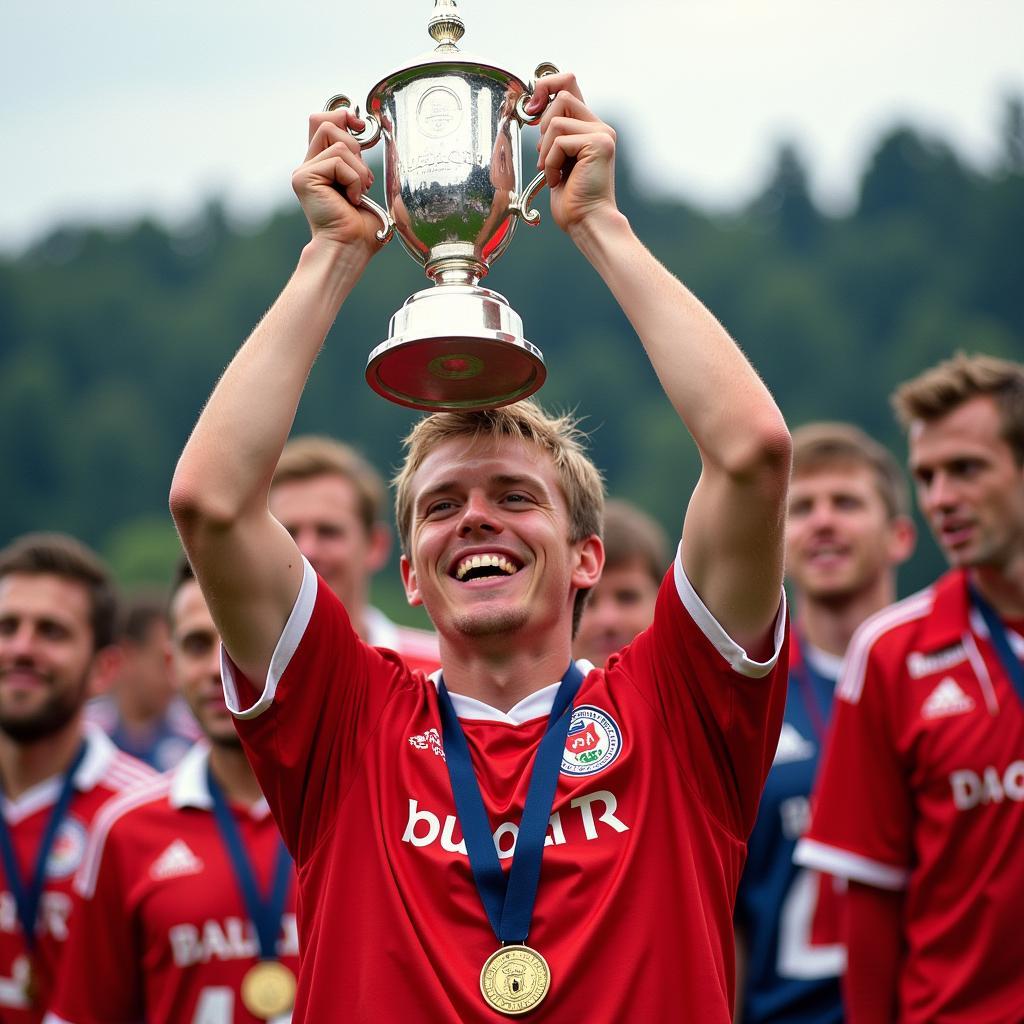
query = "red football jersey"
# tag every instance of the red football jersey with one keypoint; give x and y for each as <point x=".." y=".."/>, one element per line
<point x="418" y="647"/>
<point x="104" y="773"/>
<point x="922" y="789"/>
<point x="162" y="932"/>
<point x="668" y="749"/>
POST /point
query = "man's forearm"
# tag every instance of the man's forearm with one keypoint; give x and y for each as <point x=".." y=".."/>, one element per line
<point x="874" y="942"/>
<point x="709" y="381"/>
<point x="250" y="412"/>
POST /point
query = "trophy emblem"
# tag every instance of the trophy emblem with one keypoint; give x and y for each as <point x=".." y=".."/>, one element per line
<point x="451" y="126"/>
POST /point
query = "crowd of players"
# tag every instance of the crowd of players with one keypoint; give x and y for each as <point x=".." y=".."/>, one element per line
<point x="855" y="831"/>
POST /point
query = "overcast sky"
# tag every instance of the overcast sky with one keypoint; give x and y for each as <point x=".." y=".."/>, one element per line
<point x="110" y="108"/>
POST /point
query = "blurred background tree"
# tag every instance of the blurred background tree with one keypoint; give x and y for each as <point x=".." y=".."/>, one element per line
<point x="110" y="339"/>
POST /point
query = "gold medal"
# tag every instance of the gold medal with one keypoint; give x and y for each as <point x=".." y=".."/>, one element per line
<point x="515" y="979"/>
<point x="268" y="989"/>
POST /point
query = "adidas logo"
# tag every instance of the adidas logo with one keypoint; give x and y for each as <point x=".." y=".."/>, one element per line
<point x="175" y="861"/>
<point x="946" y="699"/>
<point x="792" y="746"/>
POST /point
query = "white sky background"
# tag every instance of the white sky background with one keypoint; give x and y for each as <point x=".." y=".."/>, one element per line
<point x="112" y="108"/>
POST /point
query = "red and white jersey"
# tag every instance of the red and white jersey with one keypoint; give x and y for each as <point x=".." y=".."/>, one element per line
<point x="418" y="647"/>
<point x="660" y="778"/>
<point x="104" y="773"/>
<point x="922" y="789"/>
<point x="162" y="932"/>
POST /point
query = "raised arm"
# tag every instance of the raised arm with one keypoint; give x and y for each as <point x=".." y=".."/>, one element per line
<point x="247" y="564"/>
<point x="733" y="530"/>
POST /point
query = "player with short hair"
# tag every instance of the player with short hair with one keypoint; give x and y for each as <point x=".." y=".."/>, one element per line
<point x="847" y="530"/>
<point x="331" y="500"/>
<point x="921" y="798"/>
<point x="621" y="605"/>
<point x="620" y="802"/>
<point x="57" y="613"/>
<point x="142" y="712"/>
<point x="166" y="929"/>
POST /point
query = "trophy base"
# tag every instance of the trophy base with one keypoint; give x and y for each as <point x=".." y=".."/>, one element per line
<point x="454" y="347"/>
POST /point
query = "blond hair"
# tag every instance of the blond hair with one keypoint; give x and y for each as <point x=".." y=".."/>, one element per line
<point x="558" y="436"/>
<point x="945" y="387"/>
<point x="824" y="445"/>
<point x="311" y="456"/>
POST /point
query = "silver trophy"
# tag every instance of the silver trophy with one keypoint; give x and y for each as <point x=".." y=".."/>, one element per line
<point x="452" y="178"/>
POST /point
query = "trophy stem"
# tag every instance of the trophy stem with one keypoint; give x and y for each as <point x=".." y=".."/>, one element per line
<point x="456" y="270"/>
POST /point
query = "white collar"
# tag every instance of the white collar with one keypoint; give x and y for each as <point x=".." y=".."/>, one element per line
<point x="825" y="664"/>
<point x="189" y="787"/>
<point x="99" y="752"/>
<point x="533" y="705"/>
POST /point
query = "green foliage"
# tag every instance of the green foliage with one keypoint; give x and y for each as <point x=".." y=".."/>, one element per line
<point x="110" y="340"/>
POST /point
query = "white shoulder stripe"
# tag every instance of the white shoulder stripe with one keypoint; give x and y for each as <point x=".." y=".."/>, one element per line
<point x="112" y="811"/>
<point x="831" y="860"/>
<point x="124" y="774"/>
<point x="851" y="682"/>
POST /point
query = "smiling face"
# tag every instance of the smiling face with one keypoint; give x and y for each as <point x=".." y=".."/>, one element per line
<point x="46" y="653"/>
<point x="969" y="485"/>
<point x="840" y="537"/>
<point x="489" y="546"/>
<point x="195" y="660"/>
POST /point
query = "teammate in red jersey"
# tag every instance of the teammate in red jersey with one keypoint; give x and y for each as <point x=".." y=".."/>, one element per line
<point x="331" y="500"/>
<point x="621" y="604"/>
<point x="921" y="800"/>
<point x="847" y="530"/>
<point x="163" y="932"/>
<point x="621" y="800"/>
<point x="57" y="610"/>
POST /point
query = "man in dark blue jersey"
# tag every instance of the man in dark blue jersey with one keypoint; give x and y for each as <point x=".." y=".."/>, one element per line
<point x="847" y="530"/>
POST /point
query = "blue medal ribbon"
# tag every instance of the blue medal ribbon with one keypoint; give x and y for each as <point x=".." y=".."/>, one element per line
<point x="26" y="898"/>
<point x="265" y="914"/>
<point x="1000" y="641"/>
<point x="812" y="684"/>
<point x="508" y="900"/>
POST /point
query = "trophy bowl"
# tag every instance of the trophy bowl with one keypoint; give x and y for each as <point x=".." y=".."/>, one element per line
<point x="451" y="127"/>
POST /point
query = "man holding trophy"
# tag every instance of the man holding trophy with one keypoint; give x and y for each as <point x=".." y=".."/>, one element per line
<point x="519" y="832"/>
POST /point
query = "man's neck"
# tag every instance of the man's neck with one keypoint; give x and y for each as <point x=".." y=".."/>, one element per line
<point x="1002" y="587"/>
<point x="503" y="673"/>
<point x="139" y="717"/>
<point x="357" y="606"/>
<point x="234" y="775"/>
<point x="24" y="765"/>
<point x="830" y="624"/>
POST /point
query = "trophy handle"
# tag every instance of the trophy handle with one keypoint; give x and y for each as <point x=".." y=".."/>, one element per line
<point x="366" y="139"/>
<point x="541" y="71"/>
<point x="520" y="205"/>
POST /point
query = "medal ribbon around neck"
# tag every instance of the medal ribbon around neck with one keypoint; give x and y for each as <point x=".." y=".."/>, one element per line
<point x="27" y="898"/>
<point x="508" y="900"/>
<point x="1000" y="641"/>
<point x="810" y="683"/>
<point x="264" y="913"/>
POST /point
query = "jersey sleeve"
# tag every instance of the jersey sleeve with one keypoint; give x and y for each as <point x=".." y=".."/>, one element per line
<point x="861" y="814"/>
<point x="305" y="728"/>
<point x="723" y="710"/>
<point x="100" y="978"/>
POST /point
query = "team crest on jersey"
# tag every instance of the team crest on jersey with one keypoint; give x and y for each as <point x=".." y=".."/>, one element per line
<point x="68" y="849"/>
<point x="593" y="743"/>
